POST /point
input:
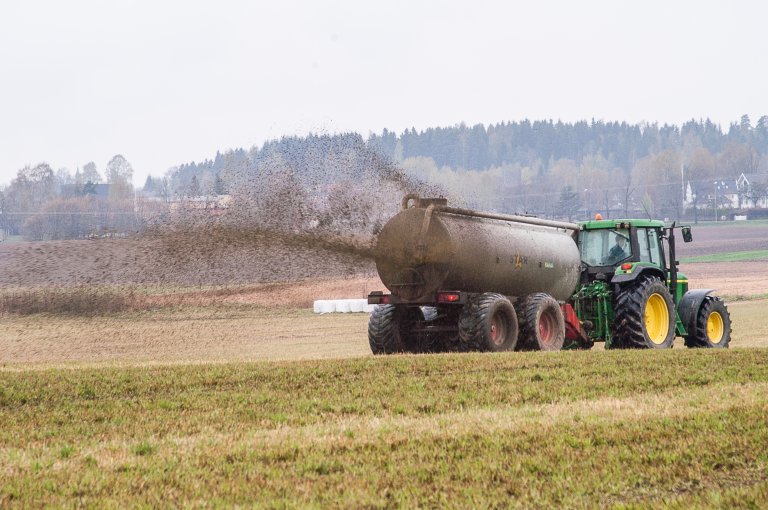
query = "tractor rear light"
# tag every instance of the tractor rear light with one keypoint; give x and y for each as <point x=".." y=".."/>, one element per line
<point x="448" y="297"/>
<point x="626" y="267"/>
<point x="384" y="300"/>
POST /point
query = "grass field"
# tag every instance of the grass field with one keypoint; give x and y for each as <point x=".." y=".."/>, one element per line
<point x="573" y="429"/>
<point x="736" y="256"/>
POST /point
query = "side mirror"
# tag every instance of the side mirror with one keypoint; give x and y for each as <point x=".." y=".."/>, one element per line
<point x="687" y="237"/>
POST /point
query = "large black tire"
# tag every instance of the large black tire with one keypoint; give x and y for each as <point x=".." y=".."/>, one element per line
<point x="713" y="325"/>
<point x="645" y="316"/>
<point x="542" y="325"/>
<point x="488" y="323"/>
<point x="389" y="329"/>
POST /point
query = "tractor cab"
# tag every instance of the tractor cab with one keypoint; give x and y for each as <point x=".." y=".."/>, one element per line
<point x="612" y="249"/>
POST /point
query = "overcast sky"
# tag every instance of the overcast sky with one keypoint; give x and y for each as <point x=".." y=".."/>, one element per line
<point x="167" y="82"/>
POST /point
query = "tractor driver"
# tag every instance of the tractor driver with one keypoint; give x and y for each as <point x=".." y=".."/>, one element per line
<point x="618" y="253"/>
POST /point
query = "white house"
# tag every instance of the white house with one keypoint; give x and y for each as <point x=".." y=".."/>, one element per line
<point x="745" y="192"/>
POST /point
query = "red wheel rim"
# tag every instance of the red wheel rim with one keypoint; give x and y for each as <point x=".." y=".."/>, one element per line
<point x="547" y="328"/>
<point x="498" y="329"/>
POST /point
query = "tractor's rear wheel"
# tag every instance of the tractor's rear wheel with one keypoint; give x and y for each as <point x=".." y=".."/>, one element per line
<point x="542" y="325"/>
<point x="645" y="316"/>
<point x="713" y="325"/>
<point x="390" y="329"/>
<point x="488" y="323"/>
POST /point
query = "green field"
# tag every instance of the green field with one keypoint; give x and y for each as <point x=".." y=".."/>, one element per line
<point x="734" y="256"/>
<point x="677" y="428"/>
<point x="728" y="223"/>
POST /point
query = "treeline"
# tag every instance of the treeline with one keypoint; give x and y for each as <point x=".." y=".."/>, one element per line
<point x="43" y="204"/>
<point x="528" y="143"/>
<point x="547" y="168"/>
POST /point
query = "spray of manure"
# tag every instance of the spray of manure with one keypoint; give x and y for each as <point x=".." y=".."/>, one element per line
<point x="295" y="213"/>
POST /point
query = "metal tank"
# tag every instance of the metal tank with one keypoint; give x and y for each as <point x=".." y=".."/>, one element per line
<point x="429" y="246"/>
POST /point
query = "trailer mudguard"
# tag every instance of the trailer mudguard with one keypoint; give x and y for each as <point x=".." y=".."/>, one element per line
<point x="688" y="307"/>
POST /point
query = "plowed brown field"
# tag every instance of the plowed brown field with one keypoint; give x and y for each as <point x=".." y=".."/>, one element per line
<point x="711" y="238"/>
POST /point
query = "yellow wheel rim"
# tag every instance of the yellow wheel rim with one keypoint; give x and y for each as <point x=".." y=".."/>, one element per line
<point x="715" y="327"/>
<point x="656" y="319"/>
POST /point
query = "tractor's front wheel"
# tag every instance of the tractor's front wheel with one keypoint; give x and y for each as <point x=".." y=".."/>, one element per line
<point x="488" y="323"/>
<point x="645" y="316"/>
<point x="713" y="325"/>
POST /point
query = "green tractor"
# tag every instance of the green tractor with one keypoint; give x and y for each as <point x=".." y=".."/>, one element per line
<point x="631" y="294"/>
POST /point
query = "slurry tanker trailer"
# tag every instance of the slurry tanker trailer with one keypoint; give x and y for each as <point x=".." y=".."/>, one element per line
<point x="463" y="280"/>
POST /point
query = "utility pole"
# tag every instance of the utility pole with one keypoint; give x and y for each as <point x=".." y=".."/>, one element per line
<point x="716" y="186"/>
<point x="682" y="185"/>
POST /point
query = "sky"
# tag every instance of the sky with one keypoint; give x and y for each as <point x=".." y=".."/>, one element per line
<point x="169" y="82"/>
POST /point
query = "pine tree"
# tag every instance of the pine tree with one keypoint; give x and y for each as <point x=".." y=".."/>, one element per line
<point x="149" y="185"/>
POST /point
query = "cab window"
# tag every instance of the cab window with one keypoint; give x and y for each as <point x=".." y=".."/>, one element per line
<point x="605" y="247"/>
<point x="648" y="244"/>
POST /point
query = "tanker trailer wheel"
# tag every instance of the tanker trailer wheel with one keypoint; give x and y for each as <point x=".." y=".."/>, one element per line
<point x="389" y="329"/>
<point x="542" y="325"/>
<point x="488" y="323"/>
<point x="713" y="325"/>
<point x="645" y="316"/>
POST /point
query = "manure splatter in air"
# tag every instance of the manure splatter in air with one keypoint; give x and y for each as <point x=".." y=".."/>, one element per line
<point x="298" y="208"/>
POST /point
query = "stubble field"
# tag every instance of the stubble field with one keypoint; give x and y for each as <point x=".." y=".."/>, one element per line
<point x="680" y="429"/>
